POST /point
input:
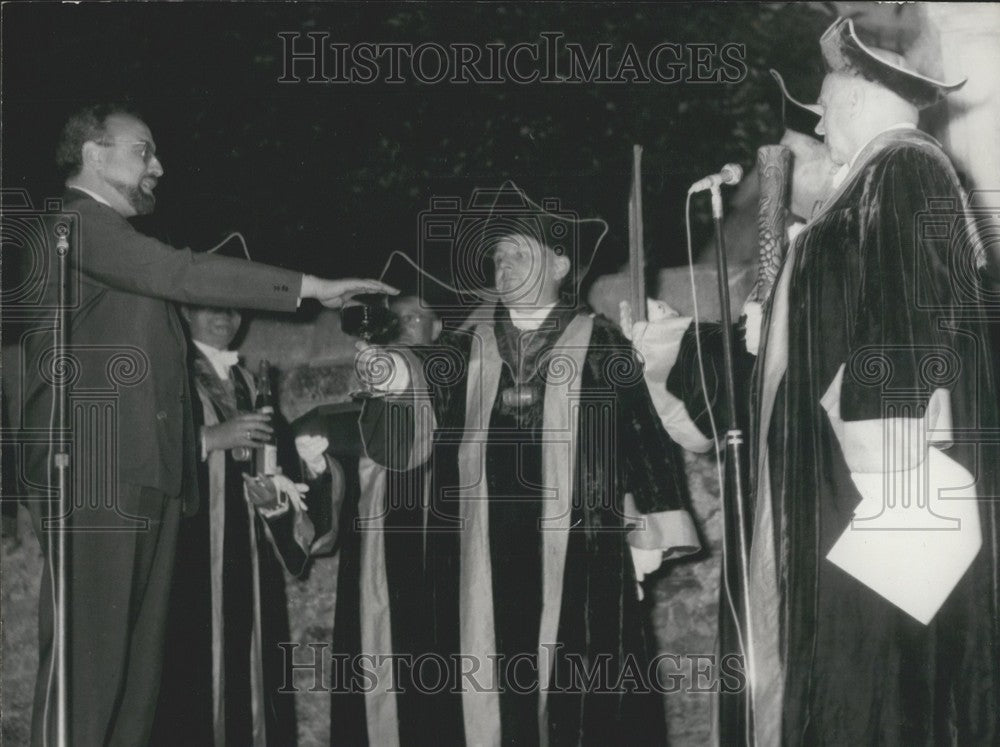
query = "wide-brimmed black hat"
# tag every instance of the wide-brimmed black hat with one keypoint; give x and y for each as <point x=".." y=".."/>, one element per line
<point x="508" y="211"/>
<point x="844" y="52"/>
<point x="795" y="115"/>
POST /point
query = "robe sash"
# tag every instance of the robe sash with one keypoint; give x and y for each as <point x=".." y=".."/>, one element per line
<point x="217" y="519"/>
<point x="481" y="709"/>
<point x="376" y="633"/>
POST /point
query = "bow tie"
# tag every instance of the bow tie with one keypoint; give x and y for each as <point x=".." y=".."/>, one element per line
<point x="220" y="360"/>
<point x="227" y="358"/>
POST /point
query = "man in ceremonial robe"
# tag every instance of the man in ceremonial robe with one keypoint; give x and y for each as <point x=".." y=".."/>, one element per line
<point x="873" y="558"/>
<point x="560" y="488"/>
<point x="384" y="593"/>
<point x="876" y="522"/>
<point x="228" y="610"/>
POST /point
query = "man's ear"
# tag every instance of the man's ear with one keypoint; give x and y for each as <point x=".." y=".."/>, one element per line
<point x="856" y="99"/>
<point x="561" y="266"/>
<point x="93" y="154"/>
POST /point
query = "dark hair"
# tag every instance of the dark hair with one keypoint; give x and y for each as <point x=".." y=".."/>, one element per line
<point x="84" y="125"/>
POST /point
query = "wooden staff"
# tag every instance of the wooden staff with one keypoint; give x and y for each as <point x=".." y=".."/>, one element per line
<point x="774" y="172"/>
<point x="636" y="249"/>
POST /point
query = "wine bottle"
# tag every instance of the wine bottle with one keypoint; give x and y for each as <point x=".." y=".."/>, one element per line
<point x="267" y="452"/>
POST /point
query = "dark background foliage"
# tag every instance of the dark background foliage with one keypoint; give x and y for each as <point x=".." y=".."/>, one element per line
<point x="330" y="178"/>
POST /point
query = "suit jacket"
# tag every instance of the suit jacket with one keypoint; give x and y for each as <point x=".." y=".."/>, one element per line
<point x="126" y="338"/>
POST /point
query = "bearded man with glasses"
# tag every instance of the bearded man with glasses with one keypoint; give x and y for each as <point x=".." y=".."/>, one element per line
<point x="119" y="581"/>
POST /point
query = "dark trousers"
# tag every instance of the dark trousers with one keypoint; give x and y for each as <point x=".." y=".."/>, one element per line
<point x="117" y="611"/>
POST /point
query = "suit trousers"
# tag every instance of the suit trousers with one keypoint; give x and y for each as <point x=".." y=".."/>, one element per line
<point x="117" y="610"/>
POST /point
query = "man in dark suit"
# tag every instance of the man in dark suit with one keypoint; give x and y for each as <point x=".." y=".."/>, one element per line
<point x="125" y="333"/>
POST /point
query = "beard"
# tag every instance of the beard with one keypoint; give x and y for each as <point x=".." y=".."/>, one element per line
<point x="141" y="201"/>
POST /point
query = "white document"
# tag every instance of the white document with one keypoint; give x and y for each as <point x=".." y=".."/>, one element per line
<point x="912" y="555"/>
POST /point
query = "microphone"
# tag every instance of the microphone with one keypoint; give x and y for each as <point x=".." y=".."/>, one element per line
<point x="731" y="174"/>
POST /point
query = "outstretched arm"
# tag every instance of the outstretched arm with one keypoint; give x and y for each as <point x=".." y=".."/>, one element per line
<point x="112" y="252"/>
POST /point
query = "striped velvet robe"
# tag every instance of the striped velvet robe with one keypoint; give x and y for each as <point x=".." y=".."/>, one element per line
<point x="532" y="522"/>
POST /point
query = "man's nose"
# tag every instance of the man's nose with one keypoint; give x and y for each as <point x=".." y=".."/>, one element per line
<point x="155" y="167"/>
<point x="820" y="129"/>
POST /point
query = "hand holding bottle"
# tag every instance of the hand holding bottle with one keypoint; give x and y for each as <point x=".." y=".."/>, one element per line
<point x="246" y="430"/>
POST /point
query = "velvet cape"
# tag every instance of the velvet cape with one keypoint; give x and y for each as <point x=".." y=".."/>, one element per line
<point x="869" y="287"/>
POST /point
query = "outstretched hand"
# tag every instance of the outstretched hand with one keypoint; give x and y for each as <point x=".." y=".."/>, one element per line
<point x="333" y="293"/>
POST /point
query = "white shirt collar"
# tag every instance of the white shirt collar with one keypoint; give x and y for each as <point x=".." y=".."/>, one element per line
<point x="221" y="360"/>
<point x="843" y="171"/>
<point x="92" y="194"/>
<point x="531" y="319"/>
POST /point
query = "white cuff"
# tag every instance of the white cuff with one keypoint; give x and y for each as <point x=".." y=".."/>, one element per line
<point x="397" y="369"/>
<point x="916" y="529"/>
<point x="887" y="444"/>
<point x="673" y="532"/>
<point x="659" y="344"/>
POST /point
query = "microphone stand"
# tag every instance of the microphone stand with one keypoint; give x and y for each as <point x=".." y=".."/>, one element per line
<point x="735" y="444"/>
<point x="62" y="464"/>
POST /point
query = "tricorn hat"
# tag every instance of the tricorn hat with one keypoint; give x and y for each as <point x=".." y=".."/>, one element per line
<point x="509" y="211"/>
<point x="843" y="52"/>
<point x="459" y="240"/>
<point x="795" y="115"/>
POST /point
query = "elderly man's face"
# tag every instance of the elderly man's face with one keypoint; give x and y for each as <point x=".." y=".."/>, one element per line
<point x="812" y="172"/>
<point x="214" y="327"/>
<point x="130" y="165"/>
<point x="528" y="273"/>
<point x="836" y="126"/>
<point x="418" y="325"/>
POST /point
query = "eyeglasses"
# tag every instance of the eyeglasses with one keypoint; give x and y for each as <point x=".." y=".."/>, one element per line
<point x="145" y="150"/>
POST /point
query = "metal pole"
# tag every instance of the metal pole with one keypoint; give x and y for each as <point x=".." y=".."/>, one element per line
<point x="62" y="463"/>
<point x="735" y="442"/>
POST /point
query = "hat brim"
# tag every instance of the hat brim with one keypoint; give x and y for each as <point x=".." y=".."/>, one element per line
<point x="512" y="212"/>
<point x="844" y="52"/>
<point x="796" y="115"/>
